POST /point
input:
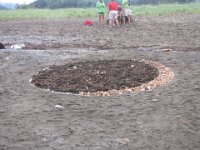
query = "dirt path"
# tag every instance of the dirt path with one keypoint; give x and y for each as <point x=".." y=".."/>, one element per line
<point x="166" y="118"/>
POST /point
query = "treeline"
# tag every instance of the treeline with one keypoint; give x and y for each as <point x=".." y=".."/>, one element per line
<point x="2" y="8"/>
<point x="54" y="4"/>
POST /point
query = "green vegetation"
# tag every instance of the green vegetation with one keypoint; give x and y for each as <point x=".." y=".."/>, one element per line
<point x="54" y="4"/>
<point x="47" y="13"/>
<point x="91" y="12"/>
<point x="169" y="9"/>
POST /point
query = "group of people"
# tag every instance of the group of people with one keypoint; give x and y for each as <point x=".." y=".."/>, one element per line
<point x="117" y="14"/>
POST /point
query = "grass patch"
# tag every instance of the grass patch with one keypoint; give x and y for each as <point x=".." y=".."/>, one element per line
<point x="168" y="9"/>
<point x="150" y="10"/>
<point x="47" y="13"/>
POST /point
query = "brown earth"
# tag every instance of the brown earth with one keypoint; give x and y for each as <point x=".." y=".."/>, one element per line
<point x="94" y="76"/>
<point x="165" y="118"/>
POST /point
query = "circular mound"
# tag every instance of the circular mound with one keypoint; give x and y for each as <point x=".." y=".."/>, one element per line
<point x="95" y="76"/>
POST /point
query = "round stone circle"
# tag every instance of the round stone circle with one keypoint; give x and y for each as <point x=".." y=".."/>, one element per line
<point x="95" y="76"/>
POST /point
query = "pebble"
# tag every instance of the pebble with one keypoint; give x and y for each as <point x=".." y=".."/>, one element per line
<point x="147" y="88"/>
<point x="123" y="140"/>
<point x="59" y="106"/>
<point x="17" y="46"/>
<point x="154" y="100"/>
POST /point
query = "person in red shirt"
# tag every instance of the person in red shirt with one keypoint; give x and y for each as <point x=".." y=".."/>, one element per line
<point x="113" y="13"/>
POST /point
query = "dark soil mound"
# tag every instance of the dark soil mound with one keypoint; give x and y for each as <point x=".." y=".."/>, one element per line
<point x="2" y="46"/>
<point x="93" y="76"/>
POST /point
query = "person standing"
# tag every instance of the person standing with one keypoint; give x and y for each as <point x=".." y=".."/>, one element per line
<point x="113" y="13"/>
<point x="129" y="3"/>
<point x="101" y="8"/>
<point x="127" y="10"/>
<point x="120" y="14"/>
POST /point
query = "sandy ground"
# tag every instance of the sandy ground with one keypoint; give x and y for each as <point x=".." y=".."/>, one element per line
<point x="165" y="118"/>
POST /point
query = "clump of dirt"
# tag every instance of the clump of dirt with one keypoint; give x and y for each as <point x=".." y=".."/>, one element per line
<point x="94" y="76"/>
<point x="2" y="46"/>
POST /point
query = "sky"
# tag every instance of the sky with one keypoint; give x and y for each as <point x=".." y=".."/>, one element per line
<point x="17" y="1"/>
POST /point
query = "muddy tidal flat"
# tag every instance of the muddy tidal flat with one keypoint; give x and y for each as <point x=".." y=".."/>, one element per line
<point x="164" y="118"/>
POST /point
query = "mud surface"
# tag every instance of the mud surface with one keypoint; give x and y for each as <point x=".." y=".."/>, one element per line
<point x="165" y="118"/>
<point x="93" y="76"/>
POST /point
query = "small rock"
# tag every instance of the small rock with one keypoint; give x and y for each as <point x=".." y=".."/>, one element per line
<point x="81" y="93"/>
<point x="123" y="140"/>
<point x="103" y="72"/>
<point x="96" y="72"/>
<point x="60" y="140"/>
<point x="59" y="106"/>
<point x="108" y="39"/>
<point x="147" y="88"/>
<point x="45" y="69"/>
<point x="17" y="46"/>
<point x="154" y="100"/>
<point x="128" y="90"/>
<point x="30" y="80"/>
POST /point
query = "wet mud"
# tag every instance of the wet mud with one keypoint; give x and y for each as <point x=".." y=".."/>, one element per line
<point x="167" y="117"/>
